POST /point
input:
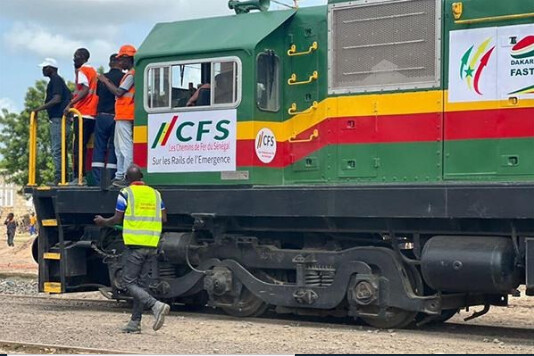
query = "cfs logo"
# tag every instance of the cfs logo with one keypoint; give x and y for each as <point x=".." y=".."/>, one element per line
<point x="265" y="139"/>
<point x="265" y="145"/>
<point x="191" y="130"/>
<point x="473" y="63"/>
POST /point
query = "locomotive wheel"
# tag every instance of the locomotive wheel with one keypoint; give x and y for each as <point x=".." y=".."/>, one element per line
<point x="439" y="319"/>
<point x="395" y="318"/>
<point x="248" y="305"/>
<point x="195" y="302"/>
<point x="446" y="315"/>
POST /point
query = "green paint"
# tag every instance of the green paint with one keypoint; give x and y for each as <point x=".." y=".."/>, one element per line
<point x="489" y="159"/>
<point x="210" y="35"/>
<point x="275" y="32"/>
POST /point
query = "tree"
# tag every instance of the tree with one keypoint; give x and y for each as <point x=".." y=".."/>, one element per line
<point x="14" y="140"/>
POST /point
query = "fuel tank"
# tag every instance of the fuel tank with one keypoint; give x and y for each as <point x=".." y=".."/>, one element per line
<point x="479" y="264"/>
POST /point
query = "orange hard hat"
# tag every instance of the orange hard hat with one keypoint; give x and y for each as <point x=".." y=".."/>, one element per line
<point x="127" y="50"/>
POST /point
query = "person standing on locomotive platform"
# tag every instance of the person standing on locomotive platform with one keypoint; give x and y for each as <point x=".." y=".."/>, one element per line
<point x="57" y="98"/>
<point x="11" y="225"/>
<point x="124" y="113"/>
<point x="142" y="212"/>
<point x="105" y="123"/>
<point x="85" y="101"/>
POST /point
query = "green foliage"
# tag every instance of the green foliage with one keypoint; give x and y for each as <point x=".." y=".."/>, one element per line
<point x="15" y="135"/>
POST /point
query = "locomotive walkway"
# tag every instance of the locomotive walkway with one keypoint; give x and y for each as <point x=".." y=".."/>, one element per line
<point x="86" y="324"/>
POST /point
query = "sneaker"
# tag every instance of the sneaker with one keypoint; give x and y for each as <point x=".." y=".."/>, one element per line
<point x="133" y="327"/>
<point x="160" y="310"/>
<point x="120" y="183"/>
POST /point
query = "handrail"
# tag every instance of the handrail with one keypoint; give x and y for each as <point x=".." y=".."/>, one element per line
<point x="293" y="109"/>
<point x="495" y="18"/>
<point x="313" y="136"/>
<point x="32" y="159"/>
<point x="293" y="79"/>
<point x="292" y="52"/>
<point x="64" y="146"/>
<point x="32" y="143"/>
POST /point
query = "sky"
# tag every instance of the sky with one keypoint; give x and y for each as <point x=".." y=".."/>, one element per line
<point x="31" y="30"/>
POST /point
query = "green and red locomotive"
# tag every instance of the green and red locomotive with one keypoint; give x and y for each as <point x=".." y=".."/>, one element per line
<point x="366" y="158"/>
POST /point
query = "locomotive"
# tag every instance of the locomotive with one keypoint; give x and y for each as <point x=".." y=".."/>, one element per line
<point x="366" y="158"/>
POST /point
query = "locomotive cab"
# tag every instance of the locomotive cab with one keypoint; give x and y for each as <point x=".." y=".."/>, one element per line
<point x="204" y="83"/>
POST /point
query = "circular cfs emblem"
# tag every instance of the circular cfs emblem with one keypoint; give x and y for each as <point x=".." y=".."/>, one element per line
<point x="265" y="145"/>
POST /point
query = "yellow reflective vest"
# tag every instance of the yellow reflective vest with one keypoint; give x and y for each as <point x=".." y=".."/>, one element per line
<point x="142" y="218"/>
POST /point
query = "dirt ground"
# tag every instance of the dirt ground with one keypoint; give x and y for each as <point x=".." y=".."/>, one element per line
<point x="503" y="330"/>
<point x="17" y="259"/>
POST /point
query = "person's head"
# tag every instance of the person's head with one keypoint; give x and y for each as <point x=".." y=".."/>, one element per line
<point x="114" y="61"/>
<point x="33" y="214"/>
<point x="134" y="174"/>
<point x="49" y="66"/>
<point x="81" y="56"/>
<point x="10" y="216"/>
<point x="126" y="56"/>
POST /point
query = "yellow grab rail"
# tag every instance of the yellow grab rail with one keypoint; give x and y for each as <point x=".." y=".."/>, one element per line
<point x="64" y="146"/>
<point x="32" y="145"/>
<point x="293" y="79"/>
<point x="494" y="18"/>
<point x="32" y="159"/>
<point x="313" y="136"/>
<point x="293" y="109"/>
<point x="293" y="50"/>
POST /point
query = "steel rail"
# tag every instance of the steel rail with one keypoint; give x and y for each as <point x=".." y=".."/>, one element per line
<point x="46" y="348"/>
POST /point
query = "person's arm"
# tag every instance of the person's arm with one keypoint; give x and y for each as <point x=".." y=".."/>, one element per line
<point x="193" y="99"/>
<point x="164" y="216"/>
<point x="110" y="222"/>
<point x="79" y="95"/>
<point x="117" y="91"/>
<point x="56" y="93"/>
<point x="56" y="99"/>
<point x="117" y="219"/>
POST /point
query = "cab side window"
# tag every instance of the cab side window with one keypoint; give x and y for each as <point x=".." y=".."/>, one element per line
<point x="268" y="82"/>
<point x="185" y="85"/>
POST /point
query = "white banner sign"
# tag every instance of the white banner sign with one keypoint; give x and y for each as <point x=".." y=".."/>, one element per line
<point x="200" y="141"/>
<point x="492" y="63"/>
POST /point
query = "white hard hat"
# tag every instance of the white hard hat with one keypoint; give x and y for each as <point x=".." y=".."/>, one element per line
<point x="49" y="62"/>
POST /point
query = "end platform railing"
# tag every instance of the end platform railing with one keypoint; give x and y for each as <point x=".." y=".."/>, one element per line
<point x="32" y="161"/>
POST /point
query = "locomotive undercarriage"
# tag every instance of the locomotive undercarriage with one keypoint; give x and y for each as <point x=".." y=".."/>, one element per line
<point x="387" y="272"/>
<point x="245" y="275"/>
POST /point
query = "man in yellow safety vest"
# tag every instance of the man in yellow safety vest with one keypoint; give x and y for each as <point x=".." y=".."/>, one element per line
<point x="141" y="212"/>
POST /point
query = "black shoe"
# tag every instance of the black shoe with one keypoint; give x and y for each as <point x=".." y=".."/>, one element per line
<point x="160" y="310"/>
<point x="133" y="327"/>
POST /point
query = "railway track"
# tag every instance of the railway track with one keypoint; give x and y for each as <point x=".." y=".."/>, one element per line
<point x="39" y="348"/>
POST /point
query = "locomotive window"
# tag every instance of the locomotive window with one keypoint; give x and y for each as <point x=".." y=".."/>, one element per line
<point x="186" y="85"/>
<point x="158" y="87"/>
<point x="267" y="87"/>
<point x="184" y="77"/>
